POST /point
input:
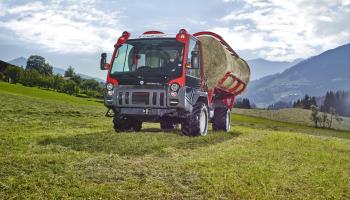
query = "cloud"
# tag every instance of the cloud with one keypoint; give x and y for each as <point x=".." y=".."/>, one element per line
<point x="63" y="26"/>
<point x="285" y="30"/>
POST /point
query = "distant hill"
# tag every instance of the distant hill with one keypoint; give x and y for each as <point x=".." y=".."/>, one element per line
<point x="261" y="67"/>
<point x="314" y="76"/>
<point x="22" y="62"/>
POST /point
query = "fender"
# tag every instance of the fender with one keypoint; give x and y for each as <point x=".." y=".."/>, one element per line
<point x="200" y="96"/>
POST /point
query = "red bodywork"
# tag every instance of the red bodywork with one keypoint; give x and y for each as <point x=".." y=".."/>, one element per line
<point x="183" y="36"/>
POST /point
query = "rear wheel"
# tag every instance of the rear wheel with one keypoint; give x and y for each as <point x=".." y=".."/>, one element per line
<point x="222" y="119"/>
<point x="123" y="123"/>
<point x="197" y="123"/>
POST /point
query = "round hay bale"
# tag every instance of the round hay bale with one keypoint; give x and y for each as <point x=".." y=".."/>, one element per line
<point x="218" y="61"/>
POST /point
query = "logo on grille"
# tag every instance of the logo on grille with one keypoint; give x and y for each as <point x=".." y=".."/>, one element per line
<point x="142" y="82"/>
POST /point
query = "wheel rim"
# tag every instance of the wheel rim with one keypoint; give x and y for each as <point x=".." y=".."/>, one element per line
<point x="228" y="121"/>
<point x="202" y="122"/>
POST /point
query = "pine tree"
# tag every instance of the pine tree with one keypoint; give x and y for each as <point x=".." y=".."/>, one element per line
<point x="297" y="104"/>
<point x="313" y="101"/>
<point x="306" y="102"/>
<point x="332" y="100"/>
<point x="327" y="102"/>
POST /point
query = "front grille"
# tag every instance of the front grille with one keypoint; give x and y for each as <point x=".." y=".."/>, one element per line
<point x="132" y="98"/>
<point x="140" y="98"/>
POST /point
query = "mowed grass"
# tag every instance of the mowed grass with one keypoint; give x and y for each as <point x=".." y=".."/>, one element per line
<point x="55" y="147"/>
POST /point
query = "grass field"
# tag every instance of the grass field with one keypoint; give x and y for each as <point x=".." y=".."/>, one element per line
<point x="55" y="146"/>
<point x="292" y="115"/>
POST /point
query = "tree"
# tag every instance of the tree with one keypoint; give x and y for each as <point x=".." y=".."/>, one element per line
<point x="30" y="78"/>
<point x="69" y="72"/>
<point x="246" y="103"/>
<point x="46" y="82"/>
<point x="323" y="120"/>
<point x="47" y="70"/>
<point x="333" y="113"/>
<point x="90" y="84"/>
<point x="314" y="115"/>
<point x="70" y="87"/>
<point x="313" y="101"/>
<point x="306" y="102"/>
<point x="340" y="100"/>
<point x="297" y="104"/>
<point x="242" y="103"/>
<point x="38" y="63"/>
<point x="77" y="79"/>
<point x="12" y="74"/>
<point x="57" y="82"/>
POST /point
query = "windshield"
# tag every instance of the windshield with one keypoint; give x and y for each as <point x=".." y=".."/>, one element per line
<point x="149" y="57"/>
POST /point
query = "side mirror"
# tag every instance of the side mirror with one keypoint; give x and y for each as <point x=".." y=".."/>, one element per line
<point x="103" y="63"/>
<point x="195" y="60"/>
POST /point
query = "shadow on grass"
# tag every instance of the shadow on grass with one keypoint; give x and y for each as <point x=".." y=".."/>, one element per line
<point x="150" y="141"/>
<point x="96" y="100"/>
<point x="154" y="130"/>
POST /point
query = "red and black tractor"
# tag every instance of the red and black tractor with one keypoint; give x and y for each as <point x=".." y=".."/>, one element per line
<point x="161" y="78"/>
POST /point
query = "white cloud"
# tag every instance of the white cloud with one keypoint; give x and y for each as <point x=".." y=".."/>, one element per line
<point x="285" y="30"/>
<point x="63" y="26"/>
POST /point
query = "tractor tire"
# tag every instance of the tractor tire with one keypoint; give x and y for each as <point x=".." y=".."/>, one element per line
<point x="222" y="119"/>
<point x="126" y="124"/>
<point x="197" y="123"/>
<point x="166" y="124"/>
<point x="136" y="125"/>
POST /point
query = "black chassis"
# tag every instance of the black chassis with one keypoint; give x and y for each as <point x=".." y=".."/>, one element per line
<point x="125" y="101"/>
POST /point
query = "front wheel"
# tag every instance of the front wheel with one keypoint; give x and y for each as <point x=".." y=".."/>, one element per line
<point x="124" y="123"/>
<point x="222" y="119"/>
<point x="197" y="123"/>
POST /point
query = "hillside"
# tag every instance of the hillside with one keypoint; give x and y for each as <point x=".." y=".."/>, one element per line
<point x="58" y="146"/>
<point x="260" y="67"/>
<point x="22" y="62"/>
<point x="314" y="76"/>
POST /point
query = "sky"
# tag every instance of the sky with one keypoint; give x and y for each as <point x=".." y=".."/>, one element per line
<point x="73" y="32"/>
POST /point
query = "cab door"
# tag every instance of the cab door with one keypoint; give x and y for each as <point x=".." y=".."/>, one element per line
<point x="193" y="75"/>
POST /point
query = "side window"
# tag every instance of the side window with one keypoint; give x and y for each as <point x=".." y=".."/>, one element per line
<point x="193" y="46"/>
<point x="118" y="65"/>
<point x="122" y="61"/>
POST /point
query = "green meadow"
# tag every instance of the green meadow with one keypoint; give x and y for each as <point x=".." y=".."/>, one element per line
<point x="55" y="146"/>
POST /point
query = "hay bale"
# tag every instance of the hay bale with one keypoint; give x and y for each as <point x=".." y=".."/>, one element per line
<point x="218" y="61"/>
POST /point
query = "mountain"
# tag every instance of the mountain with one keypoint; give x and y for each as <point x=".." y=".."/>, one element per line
<point x="22" y="62"/>
<point x="57" y="70"/>
<point x="261" y="67"/>
<point x="314" y="76"/>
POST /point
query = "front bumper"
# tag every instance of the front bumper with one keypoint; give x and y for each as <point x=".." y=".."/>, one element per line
<point x="146" y="100"/>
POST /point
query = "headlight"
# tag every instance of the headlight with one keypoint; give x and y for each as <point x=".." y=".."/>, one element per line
<point x="110" y="92"/>
<point x="109" y="86"/>
<point x="174" y="87"/>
